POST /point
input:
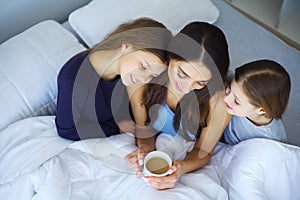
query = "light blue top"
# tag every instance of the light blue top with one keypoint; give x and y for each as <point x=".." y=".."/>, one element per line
<point x="164" y="121"/>
<point x="241" y="128"/>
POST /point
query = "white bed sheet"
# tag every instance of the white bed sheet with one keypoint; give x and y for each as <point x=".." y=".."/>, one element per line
<point x="38" y="164"/>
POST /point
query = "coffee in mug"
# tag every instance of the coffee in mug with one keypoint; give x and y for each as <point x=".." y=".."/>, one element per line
<point x="157" y="163"/>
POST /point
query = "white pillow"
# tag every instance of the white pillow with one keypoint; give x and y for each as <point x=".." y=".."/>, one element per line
<point x="29" y="64"/>
<point x="263" y="169"/>
<point x="95" y="20"/>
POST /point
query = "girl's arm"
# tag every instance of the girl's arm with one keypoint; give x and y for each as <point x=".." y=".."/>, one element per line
<point x="145" y="135"/>
<point x="217" y="121"/>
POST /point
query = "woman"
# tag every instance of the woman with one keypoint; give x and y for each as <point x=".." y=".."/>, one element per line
<point x="194" y="92"/>
<point x="93" y="84"/>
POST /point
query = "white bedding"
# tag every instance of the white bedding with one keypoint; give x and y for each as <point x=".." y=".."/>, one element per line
<point x="38" y="164"/>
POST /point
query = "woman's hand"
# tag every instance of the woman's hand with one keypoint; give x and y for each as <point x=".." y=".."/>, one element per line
<point x="135" y="159"/>
<point x="168" y="181"/>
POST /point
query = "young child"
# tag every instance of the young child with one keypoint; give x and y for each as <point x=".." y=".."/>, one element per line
<point x="257" y="98"/>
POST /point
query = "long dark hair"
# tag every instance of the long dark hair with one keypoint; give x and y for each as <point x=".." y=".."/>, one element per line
<point x="201" y="42"/>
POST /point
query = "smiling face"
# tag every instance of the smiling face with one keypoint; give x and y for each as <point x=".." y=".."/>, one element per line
<point x="237" y="103"/>
<point x="139" y="67"/>
<point x="187" y="76"/>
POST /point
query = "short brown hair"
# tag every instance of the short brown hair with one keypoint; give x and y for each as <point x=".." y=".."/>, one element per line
<point x="267" y="84"/>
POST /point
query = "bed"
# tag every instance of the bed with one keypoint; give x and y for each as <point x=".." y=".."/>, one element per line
<point x="35" y="163"/>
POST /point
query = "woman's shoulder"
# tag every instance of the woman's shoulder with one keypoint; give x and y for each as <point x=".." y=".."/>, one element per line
<point x="70" y="68"/>
<point x="217" y="108"/>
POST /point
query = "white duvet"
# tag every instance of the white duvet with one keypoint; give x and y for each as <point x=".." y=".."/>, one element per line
<point x="35" y="163"/>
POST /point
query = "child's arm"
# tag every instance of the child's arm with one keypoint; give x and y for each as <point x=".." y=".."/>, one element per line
<point x="145" y="135"/>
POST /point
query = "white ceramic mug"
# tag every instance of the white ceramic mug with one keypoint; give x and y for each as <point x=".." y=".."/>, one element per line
<point x="157" y="163"/>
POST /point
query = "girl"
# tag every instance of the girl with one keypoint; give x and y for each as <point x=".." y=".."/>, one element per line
<point x="92" y="85"/>
<point x="257" y="97"/>
<point x="193" y="84"/>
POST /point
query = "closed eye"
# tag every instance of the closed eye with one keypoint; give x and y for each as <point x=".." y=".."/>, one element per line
<point x="181" y="74"/>
<point x="236" y="102"/>
<point x="202" y="83"/>
<point x="143" y="67"/>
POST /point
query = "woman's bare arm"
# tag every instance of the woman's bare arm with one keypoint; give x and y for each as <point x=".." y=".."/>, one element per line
<point x="145" y="135"/>
<point x="217" y="121"/>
